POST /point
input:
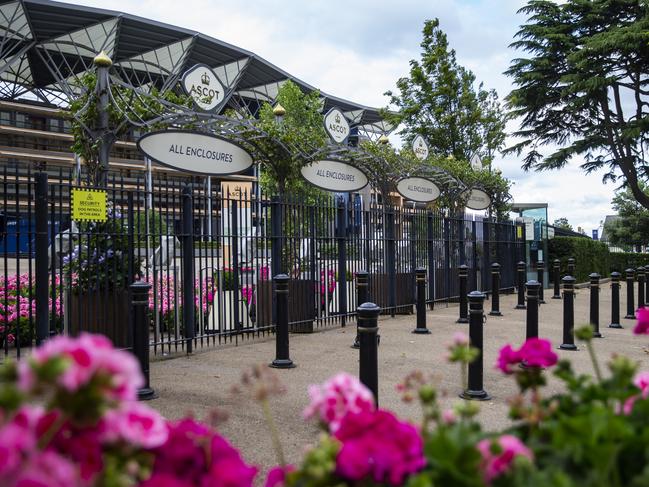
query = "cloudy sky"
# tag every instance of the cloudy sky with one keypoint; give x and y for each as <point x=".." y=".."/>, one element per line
<point x="357" y="50"/>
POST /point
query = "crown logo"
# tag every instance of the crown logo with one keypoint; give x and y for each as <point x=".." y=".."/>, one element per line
<point x="205" y="79"/>
<point x="337" y="118"/>
<point x="420" y="143"/>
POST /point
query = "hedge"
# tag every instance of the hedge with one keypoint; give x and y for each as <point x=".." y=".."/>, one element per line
<point x="591" y="256"/>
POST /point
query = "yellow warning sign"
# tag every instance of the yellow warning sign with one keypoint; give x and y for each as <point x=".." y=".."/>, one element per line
<point x="89" y="205"/>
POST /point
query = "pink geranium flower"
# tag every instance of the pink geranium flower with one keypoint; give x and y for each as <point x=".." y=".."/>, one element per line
<point x="506" y="358"/>
<point x="499" y="454"/>
<point x="642" y="326"/>
<point x="277" y="476"/>
<point x="535" y="352"/>
<point x="135" y="424"/>
<point x="340" y="395"/>
<point x="378" y="446"/>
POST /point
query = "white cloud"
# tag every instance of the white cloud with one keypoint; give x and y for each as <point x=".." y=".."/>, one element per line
<point x="357" y="51"/>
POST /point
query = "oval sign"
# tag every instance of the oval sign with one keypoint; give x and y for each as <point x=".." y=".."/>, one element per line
<point x="334" y="176"/>
<point x="420" y="148"/>
<point x="418" y="189"/>
<point x="336" y="125"/>
<point x="195" y="152"/>
<point x="203" y="85"/>
<point x="478" y="200"/>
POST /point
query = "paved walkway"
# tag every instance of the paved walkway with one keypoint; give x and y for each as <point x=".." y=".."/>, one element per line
<point x="201" y="382"/>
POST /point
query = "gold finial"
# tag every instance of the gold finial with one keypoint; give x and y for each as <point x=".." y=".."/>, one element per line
<point x="279" y="110"/>
<point x="383" y="139"/>
<point x="102" y="60"/>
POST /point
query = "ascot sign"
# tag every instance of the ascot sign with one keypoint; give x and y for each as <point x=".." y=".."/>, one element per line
<point x="336" y="125"/>
<point x="418" y="189"/>
<point x="420" y="148"/>
<point x="195" y="152"/>
<point x="202" y="84"/>
<point x="334" y="176"/>
<point x="477" y="199"/>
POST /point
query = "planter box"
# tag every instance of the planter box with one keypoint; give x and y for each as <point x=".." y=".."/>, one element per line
<point x="104" y="312"/>
<point x="301" y="304"/>
<point x="379" y="292"/>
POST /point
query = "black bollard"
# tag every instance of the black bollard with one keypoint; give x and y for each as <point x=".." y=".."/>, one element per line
<point x="420" y="277"/>
<point x="532" y="318"/>
<point x="140" y="308"/>
<point x="475" y="390"/>
<point x="282" y="360"/>
<point x="646" y="285"/>
<point x="594" y="303"/>
<point x="571" y="267"/>
<point x="362" y="296"/>
<point x="615" y="300"/>
<point x="556" y="267"/>
<point x="495" y="290"/>
<point x="521" y="269"/>
<point x="568" y="313"/>
<point x="367" y="318"/>
<point x="540" y="277"/>
<point x="464" y="313"/>
<point x="640" y="275"/>
<point x="630" y="307"/>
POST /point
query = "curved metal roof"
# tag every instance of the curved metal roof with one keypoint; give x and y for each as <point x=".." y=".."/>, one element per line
<point x="46" y="45"/>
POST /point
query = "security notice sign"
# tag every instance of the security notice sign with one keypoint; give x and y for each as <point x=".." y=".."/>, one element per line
<point x="89" y="205"/>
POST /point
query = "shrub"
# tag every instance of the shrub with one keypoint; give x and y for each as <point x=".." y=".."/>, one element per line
<point x="590" y="256"/>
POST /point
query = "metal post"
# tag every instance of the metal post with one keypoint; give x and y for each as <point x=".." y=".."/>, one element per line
<point x="139" y="309"/>
<point x="188" y="266"/>
<point x="540" y="277"/>
<point x="367" y="316"/>
<point x="641" y="278"/>
<point x="646" y="285"/>
<point x="42" y="301"/>
<point x="362" y="296"/>
<point x="390" y="260"/>
<point x="521" y="270"/>
<point x="420" y="277"/>
<point x="557" y="277"/>
<point x="234" y="258"/>
<point x="282" y="359"/>
<point x="463" y="273"/>
<point x="475" y="390"/>
<point x="615" y="300"/>
<point x="630" y="307"/>
<point x="342" y="263"/>
<point x="495" y="290"/>
<point x="276" y="242"/>
<point x="571" y="267"/>
<point x="103" y="134"/>
<point x="532" y="318"/>
<point x="568" y="313"/>
<point x="594" y="303"/>
<point x="431" y="259"/>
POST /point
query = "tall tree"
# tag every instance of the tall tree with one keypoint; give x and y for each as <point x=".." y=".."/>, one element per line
<point x="632" y="228"/>
<point x="295" y="138"/>
<point x="562" y="223"/>
<point x="583" y="87"/>
<point x="439" y="101"/>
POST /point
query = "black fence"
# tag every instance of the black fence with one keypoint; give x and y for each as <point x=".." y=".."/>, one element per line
<point x="219" y="251"/>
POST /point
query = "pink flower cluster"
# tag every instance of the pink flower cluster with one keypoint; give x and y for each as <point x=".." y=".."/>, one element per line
<point x="195" y="455"/>
<point x="374" y="443"/>
<point x="535" y="352"/>
<point x="641" y="381"/>
<point x="88" y="358"/>
<point x="327" y="284"/>
<point x="18" y="303"/>
<point x="499" y="454"/>
<point x="337" y="397"/>
<point x="64" y="446"/>
<point x="642" y="325"/>
<point x="168" y="299"/>
<point x="377" y="445"/>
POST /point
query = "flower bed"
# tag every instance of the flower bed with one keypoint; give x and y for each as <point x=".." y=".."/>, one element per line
<point x="68" y="417"/>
